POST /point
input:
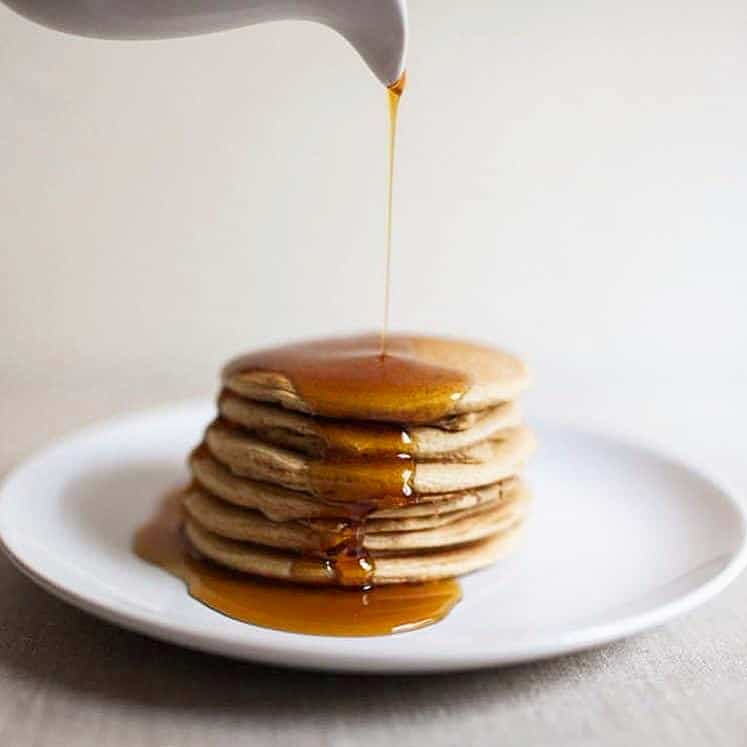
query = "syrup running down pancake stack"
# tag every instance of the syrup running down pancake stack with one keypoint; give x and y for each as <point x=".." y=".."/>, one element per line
<point x="331" y="464"/>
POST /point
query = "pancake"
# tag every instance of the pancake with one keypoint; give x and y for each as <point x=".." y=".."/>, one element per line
<point x="316" y="436"/>
<point x="246" y="525"/>
<point x="481" y="464"/>
<point x="444" y="503"/>
<point x="335" y="463"/>
<point x="431" y="514"/>
<point x="423" y="566"/>
<point x="282" y="504"/>
<point x="346" y="378"/>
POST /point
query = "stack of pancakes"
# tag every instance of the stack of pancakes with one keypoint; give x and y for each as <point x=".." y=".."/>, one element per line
<point x="330" y="464"/>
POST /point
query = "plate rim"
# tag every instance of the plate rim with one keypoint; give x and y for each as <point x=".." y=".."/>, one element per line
<point x="285" y="653"/>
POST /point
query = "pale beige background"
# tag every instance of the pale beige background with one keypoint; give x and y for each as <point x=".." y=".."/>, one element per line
<point x="572" y="182"/>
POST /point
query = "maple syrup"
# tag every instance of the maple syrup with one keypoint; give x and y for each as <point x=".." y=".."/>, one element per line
<point x="349" y="378"/>
<point x="290" y="607"/>
<point x="393" y="94"/>
<point x="364" y="439"/>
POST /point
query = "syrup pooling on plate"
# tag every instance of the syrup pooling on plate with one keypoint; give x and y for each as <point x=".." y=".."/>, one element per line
<point x="297" y="609"/>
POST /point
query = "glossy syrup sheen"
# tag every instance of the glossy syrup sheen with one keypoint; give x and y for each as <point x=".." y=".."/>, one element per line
<point x="292" y="608"/>
<point x="357" y="439"/>
<point x="350" y="378"/>
<point x="363" y="481"/>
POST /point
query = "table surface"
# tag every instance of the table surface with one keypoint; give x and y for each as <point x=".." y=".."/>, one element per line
<point x="68" y="679"/>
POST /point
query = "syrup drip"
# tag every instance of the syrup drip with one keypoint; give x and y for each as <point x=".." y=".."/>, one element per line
<point x="364" y="439"/>
<point x="393" y="94"/>
<point x="343" y="437"/>
<point x="360" y="486"/>
<point x="352" y="563"/>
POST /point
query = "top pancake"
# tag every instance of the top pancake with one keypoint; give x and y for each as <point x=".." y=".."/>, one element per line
<point x="420" y="380"/>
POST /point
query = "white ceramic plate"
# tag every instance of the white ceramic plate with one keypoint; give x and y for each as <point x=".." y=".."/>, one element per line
<point x="620" y="539"/>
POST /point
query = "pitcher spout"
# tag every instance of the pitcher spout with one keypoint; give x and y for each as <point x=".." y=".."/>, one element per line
<point x="377" y="29"/>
